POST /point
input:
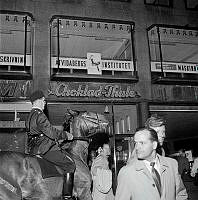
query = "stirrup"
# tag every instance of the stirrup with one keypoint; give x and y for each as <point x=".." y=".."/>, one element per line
<point x="68" y="198"/>
<point x="68" y="185"/>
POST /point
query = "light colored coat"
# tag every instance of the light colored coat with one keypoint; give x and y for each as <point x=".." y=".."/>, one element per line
<point x="136" y="183"/>
<point x="102" y="163"/>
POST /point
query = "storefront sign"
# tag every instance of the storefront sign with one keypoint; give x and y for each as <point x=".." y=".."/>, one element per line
<point x="78" y="63"/>
<point x="14" y="59"/>
<point x="12" y="88"/>
<point x="78" y="90"/>
<point x="175" y="67"/>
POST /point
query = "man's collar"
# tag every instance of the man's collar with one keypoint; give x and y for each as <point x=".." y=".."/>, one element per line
<point x="139" y="164"/>
<point x="37" y="108"/>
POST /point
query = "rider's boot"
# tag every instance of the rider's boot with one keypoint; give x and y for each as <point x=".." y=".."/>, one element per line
<point x="68" y="186"/>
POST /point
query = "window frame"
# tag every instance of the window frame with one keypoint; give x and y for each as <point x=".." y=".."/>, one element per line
<point x="24" y="74"/>
<point x="89" y="77"/>
<point x="162" y="78"/>
<point x="188" y="8"/>
<point x="170" y="4"/>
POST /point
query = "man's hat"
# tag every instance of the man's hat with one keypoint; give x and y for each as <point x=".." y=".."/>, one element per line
<point x="38" y="94"/>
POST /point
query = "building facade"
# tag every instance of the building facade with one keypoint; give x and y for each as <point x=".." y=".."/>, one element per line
<point x="124" y="58"/>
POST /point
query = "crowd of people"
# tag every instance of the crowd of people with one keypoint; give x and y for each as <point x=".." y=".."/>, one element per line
<point x="148" y="174"/>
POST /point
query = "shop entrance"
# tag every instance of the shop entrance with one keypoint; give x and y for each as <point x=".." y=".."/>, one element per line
<point x="181" y="126"/>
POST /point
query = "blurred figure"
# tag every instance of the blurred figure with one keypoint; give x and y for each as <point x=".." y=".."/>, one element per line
<point x="150" y="176"/>
<point x="101" y="174"/>
<point x="158" y="124"/>
<point x="91" y="157"/>
<point x="183" y="163"/>
<point x="194" y="169"/>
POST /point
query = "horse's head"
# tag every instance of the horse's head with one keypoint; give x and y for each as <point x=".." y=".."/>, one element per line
<point x="88" y="124"/>
<point x="85" y="124"/>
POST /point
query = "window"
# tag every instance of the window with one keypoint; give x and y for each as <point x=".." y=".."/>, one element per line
<point x="181" y="125"/>
<point x="121" y="0"/>
<point x="191" y="4"/>
<point x="167" y="3"/>
<point x="173" y="52"/>
<point x="85" y="48"/>
<point x="15" y="45"/>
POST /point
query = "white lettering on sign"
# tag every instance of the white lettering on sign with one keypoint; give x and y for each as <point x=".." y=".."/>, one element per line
<point x="174" y="67"/>
<point x="106" y="91"/>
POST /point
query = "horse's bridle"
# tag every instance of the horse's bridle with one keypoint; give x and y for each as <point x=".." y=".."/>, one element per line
<point x="89" y="119"/>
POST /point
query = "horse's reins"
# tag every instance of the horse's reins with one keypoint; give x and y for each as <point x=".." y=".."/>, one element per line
<point x="7" y="184"/>
<point x="89" y="119"/>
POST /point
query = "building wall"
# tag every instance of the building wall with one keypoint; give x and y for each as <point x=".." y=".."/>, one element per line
<point x="136" y="11"/>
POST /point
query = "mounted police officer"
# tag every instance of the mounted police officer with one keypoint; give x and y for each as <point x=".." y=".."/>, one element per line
<point x="43" y="138"/>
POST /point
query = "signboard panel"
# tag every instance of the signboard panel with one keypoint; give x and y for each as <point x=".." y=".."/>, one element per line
<point x="175" y="67"/>
<point x="15" y="59"/>
<point x="78" y="63"/>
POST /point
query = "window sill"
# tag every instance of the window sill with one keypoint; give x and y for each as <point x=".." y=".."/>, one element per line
<point x="93" y="78"/>
<point x="15" y="76"/>
<point x="174" y="81"/>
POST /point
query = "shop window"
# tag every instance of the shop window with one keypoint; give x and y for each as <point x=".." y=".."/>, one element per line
<point x="167" y="3"/>
<point x="12" y="126"/>
<point x="191" y="4"/>
<point x="92" y="49"/>
<point x="121" y="0"/>
<point x="181" y="126"/>
<point x="173" y="54"/>
<point x="16" y="45"/>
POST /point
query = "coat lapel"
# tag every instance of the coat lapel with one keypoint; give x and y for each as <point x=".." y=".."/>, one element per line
<point x="141" y="167"/>
<point x="163" y="171"/>
<point x="163" y="165"/>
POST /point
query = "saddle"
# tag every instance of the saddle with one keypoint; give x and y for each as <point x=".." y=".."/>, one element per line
<point x="48" y="168"/>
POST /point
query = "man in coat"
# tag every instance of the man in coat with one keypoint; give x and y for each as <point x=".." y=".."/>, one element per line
<point x="135" y="180"/>
<point x="43" y="137"/>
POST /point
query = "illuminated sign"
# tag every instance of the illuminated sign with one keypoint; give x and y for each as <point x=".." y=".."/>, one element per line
<point x="15" y="88"/>
<point x="62" y="89"/>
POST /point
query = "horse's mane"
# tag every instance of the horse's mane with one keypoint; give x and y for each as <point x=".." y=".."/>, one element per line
<point x="85" y="124"/>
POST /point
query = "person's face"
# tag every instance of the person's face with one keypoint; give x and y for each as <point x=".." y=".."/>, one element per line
<point x="42" y="103"/>
<point x="144" y="147"/>
<point x="160" y="133"/>
<point x="105" y="151"/>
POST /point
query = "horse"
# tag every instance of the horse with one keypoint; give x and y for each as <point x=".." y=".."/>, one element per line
<point x="84" y="125"/>
<point x="21" y="175"/>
